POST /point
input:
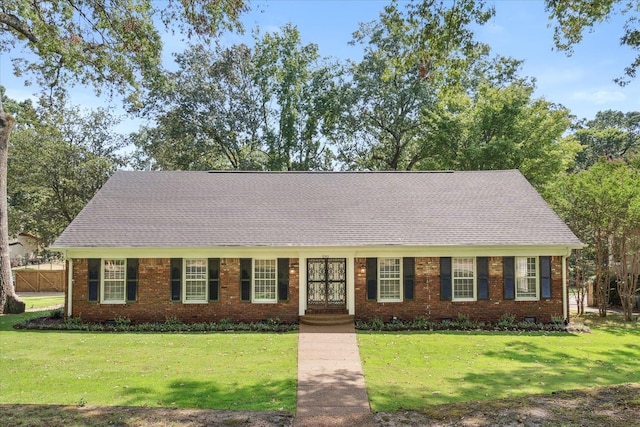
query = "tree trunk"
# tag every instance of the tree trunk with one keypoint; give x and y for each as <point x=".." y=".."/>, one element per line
<point x="9" y="301"/>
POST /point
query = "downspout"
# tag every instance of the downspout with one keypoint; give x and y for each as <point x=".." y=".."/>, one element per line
<point x="69" y="286"/>
<point x="565" y="303"/>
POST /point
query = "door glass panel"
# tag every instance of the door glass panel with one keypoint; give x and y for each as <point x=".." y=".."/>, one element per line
<point x="326" y="282"/>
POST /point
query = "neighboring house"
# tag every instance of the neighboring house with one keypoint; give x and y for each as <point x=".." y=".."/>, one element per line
<point x="22" y="249"/>
<point x="205" y="246"/>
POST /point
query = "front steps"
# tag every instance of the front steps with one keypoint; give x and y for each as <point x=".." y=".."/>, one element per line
<point x="326" y="319"/>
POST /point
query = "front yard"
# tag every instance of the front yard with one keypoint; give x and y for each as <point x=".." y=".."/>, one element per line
<point x="216" y="370"/>
<point x="417" y="370"/>
<point x="111" y="378"/>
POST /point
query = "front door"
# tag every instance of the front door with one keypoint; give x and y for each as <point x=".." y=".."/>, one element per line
<point x="327" y="283"/>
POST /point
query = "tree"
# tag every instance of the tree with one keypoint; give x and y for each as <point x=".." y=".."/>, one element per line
<point x="207" y="117"/>
<point x="472" y="111"/>
<point x="573" y="18"/>
<point x="269" y="108"/>
<point x="611" y="134"/>
<point x="56" y="164"/>
<point x="103" y="44"/>
<point x="500" y="127"/>
<point x="411" y="58"/>
<point x="298" y="101"/>
<point x="596" y="205"/>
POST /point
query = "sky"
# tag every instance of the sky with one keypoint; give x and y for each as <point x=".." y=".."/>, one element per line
<point x="582" y="82"/>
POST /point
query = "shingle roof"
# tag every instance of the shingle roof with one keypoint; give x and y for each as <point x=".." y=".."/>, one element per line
<point x="311" y="209"/>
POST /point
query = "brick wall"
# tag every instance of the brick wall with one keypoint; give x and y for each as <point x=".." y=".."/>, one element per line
<point x="154" y="304"/>
<point x="427" y="302"/>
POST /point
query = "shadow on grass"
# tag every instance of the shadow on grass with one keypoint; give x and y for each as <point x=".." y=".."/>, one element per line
<point x="274" y="395"/>
<point x="523" y="368"/>
<point x="122" y="416"/>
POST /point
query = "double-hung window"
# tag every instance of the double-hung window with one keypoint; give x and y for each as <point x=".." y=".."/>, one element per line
<point x="265" y="283"/>
<point x="463" y="279"/>
<point x="195" y="280"/>
<point x="389" y="279"/>
<point x="114" y="279"/>
<point x="526" y="278"/>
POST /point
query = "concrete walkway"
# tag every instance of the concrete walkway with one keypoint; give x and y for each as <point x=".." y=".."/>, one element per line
<point x="331" y="388"/>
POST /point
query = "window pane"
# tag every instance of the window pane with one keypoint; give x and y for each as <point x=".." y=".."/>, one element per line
<point x="264" y="276"/>
<point x="389" y="278"/>
<point x="195" y="278"/>
<point x="526" y="277"/>
<point x="114" y="275"/>
<point x="463" y="274"/>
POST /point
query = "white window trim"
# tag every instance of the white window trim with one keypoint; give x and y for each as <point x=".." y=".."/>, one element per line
<point x="475" y="280"/>
<point x="537" y="297"/>
<point x="253" y="282"/>
<point x="380" y="299"/>
<point x="102" y="277"/>
<point x="184" y="281"/>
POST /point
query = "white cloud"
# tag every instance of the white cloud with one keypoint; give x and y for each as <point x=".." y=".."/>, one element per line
<point x="599" y="97"/>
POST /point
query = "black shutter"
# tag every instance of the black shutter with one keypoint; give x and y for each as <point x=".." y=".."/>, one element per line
<point x="176" y="279"/>
<point x="482" y="267"/>
<point x="283" y="279"/>
<point x="445" y="278"/>
<point x="132" y="279"/>
<point x="94" y="278"/>
<point x="509" y="274"/>
<point x="245" y="279"/>
<point x="408" y="270"/>
<point x="545" y="277"/>
<point x="372" y="278"/>
<point x="214" y="279"/>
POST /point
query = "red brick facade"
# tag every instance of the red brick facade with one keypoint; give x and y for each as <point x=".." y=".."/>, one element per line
<point x="427" y="302"/>
<point x="154" y="303"/>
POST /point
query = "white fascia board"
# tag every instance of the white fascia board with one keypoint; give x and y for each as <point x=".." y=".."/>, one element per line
<point x="320" y="252"/>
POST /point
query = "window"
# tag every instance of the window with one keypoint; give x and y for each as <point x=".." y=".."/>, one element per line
<point x="114" y="275"/>
<point x="195" y="280"/>
<point x="265" y="280"/>
<point x="463" y="280"/>
<point x="526" y="278"/>
<point x="389" y="279"/>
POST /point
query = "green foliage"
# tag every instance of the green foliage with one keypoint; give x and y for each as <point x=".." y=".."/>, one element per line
<point x="500" y="127"/>
<point x="599" y="205"/>
<point x="573" y="18"/>
<point x="113" y="44"/>
<point x="58" y="159"/>
<point x="270" y="108"/>
<point x="171" y="324"/>
<point x="444" y="103"/>
<point x="461" y="323"/>
<point x="611" y="134"/>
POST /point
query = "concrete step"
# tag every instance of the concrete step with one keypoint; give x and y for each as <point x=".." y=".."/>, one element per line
<point x="326" y="319"/>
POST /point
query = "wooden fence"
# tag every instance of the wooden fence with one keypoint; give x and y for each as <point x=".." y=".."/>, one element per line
<point x="39" y="280"/>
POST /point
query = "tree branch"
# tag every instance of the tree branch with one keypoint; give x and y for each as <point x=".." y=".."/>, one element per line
<point x="14" y="23"/>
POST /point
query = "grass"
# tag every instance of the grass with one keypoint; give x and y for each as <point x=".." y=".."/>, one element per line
<point x="248" y="371"/>
<point x="41" y="302"/>
<point x="418" y="370"/>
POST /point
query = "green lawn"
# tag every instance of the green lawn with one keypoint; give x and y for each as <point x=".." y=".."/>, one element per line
<point x="41" y="302"/>
<point x="254" y="371"/>
<point x="416" y="370"/>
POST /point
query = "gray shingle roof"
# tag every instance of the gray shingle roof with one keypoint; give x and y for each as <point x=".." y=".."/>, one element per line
<point x="201" y="209"/>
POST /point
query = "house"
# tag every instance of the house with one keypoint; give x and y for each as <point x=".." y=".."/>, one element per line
<point x="23" y="248"/>
<point x="246" y="246"/>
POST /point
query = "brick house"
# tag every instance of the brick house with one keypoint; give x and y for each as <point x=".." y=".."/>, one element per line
<point x="244" y="246"/>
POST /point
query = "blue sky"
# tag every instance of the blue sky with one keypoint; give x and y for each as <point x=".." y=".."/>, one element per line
<point x="582" y="82"/>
